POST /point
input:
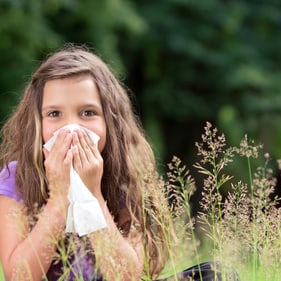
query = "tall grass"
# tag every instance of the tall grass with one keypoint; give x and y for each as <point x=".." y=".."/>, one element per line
<point x="239" y="223"/>
<point x="1" y="273"/>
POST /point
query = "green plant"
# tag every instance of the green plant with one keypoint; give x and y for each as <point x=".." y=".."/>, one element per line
<point x="244" y="226"/>
<point x="1" y="273"/>
<point x="241" y="221"/>
<point x="239" y="224"/>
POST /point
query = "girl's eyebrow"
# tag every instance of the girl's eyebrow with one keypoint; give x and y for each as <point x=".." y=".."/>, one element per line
<point x="96" y="105"/>
<point x="93" y="105"/>
<point x="50" y="107"/>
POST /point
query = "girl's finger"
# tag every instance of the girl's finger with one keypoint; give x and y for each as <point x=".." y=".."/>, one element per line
<point x="62" y="143"/>
<point x="82" y="147"/>
<point x="89" y="147"/>
<point x="79" y="158"/>
<point x="69" y="157"/>
<point x="77" y="162"/>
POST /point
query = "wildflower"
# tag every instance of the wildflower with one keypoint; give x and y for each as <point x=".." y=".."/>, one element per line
<point x="247" y="148"/>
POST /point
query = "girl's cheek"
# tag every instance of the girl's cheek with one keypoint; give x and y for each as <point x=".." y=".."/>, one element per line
<point x="47" y="131"/>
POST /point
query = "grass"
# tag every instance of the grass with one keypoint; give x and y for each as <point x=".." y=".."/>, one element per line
<point x="239" y="223"/>
<point x="1" y="273"/>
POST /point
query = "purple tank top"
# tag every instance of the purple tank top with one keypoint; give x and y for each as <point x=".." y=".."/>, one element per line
<point x="80" y="262"/>
<point x="7" y="182"/>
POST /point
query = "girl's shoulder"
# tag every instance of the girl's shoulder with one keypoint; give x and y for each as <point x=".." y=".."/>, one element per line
<point x="8" y="183"/>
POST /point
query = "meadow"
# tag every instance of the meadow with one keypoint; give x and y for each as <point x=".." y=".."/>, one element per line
<point x="239" y="222"/>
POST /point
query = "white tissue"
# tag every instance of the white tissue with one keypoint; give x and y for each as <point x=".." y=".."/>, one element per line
<point x="94" y="138"/>
<point x="84" y="212"/>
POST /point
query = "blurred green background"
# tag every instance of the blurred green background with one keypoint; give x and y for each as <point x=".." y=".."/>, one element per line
<point x="186" y="62"/>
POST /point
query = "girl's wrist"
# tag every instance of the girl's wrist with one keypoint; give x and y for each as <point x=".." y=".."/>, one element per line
<point x="53" y="217"/>
<point x="57" y="207"/>
<point x="98" y="195"/>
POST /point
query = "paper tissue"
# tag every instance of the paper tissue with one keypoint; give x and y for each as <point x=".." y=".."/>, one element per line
<point x="84" y="212"/>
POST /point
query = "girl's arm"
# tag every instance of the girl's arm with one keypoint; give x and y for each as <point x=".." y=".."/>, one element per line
<point x="117" y="257"/>
<point x="28" y="255"/>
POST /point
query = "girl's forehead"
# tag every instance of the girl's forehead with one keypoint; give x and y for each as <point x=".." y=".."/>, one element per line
<point x="75" y="89"/>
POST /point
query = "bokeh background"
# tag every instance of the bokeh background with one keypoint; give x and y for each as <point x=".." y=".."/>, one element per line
<point x="185" y="61"/>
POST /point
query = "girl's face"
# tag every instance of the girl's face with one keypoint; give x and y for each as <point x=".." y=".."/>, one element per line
<point x="74" y="100"/>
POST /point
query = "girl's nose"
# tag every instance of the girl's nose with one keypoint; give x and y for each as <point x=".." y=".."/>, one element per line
<point x="72" y="120"/>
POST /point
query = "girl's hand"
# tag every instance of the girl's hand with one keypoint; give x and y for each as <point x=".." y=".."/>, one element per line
<point x="57" y="165"/>
<point x="87" y="161"/>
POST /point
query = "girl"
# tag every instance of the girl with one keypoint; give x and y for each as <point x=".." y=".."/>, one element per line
<point x="73" y="86"/>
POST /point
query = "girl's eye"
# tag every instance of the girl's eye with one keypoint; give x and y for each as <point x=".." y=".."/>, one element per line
<point x="54" y="113"/>
<point x="88" y="113"/>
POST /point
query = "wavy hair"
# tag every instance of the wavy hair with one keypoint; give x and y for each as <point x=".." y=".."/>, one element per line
<point x="128" y="157"/>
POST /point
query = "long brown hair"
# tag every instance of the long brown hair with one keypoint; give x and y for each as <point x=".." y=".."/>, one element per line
<point x="128" y="157"/>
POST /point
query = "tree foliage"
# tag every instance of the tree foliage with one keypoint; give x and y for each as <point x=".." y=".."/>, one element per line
<point x="187" y="61"/>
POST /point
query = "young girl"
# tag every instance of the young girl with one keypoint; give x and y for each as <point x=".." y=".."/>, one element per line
<point x="73" y="86"/>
